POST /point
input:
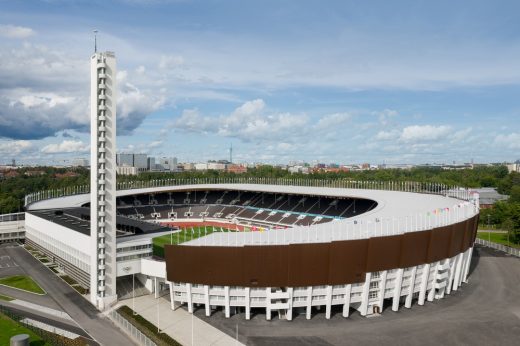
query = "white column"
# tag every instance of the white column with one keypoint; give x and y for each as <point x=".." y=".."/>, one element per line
<point x="156" y="287"/>
<point x="364" y="295"/>
<point x="172" y="301"/>
<point x="268" y="303"/>
<point x="346" y="306"/>
<point x="226" y="301"/>
<point x="309" y="303"/>
<point x="408" y="302"/>
<point x="453" y="265"/>
<point x="328" y="300"/>
<point x="207" y="307"/>
<point x="382" y="289"/>
<point x="247" y="299"/>
<point x="188" y="298"/>
<point x="397" y="289"/>
<point x="290" y="290"/>
<point x="424" y="283"/>
<point x="458" y="270"/>
<point x="468" y="264"/>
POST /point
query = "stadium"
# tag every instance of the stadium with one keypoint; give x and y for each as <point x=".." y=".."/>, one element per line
<point x="275" y="246"/>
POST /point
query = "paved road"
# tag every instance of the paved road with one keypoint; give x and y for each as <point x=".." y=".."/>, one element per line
<point x="81" y="311"/>
<point x="486" y="311"/>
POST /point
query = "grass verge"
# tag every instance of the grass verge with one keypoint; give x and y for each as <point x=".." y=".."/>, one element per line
<point x="22" y="282"/>
<point x="146" y="327"/>
<point x="10" y="328"/>
<point x="499" y="238"/>
<point x="5" y="298"/>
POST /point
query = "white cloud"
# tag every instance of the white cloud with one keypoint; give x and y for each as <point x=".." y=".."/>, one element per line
<point x="67" y="146"/>
<point x="45" y="91"/>
<point x="168" y="62"/>
<point x="510" y="141"/>
<point x="424" y="133"/>
<point x="387" y="135"/>
<point x="331" y="121"/>
<point x="15" y="147"/>
<point x="13" y="31"/>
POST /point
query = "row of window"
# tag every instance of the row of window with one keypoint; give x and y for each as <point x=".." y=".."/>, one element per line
<point x="133" y="257"/>
<point x="134" y="248"/>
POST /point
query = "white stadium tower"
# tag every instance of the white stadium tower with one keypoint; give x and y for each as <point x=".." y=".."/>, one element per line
<point x="103" y="99"/>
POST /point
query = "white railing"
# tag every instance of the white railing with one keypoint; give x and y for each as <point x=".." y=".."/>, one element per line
<point x="360" y="227"/>
<point x="507" y="249"/>
<point x="404" y="186"/>
<point x="12" y="217"/>
<point x="131" y="329"/>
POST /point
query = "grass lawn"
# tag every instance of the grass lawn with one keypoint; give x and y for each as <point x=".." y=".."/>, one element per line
<point x="22" y="282"/>
<point x="6" y="298"/>
<point x="182" y="236"/>
<point x="500" y="238"/>
<point x="10" y="328"/>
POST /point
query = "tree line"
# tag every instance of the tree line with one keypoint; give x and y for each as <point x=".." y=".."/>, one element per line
<point x="504" y="214"/>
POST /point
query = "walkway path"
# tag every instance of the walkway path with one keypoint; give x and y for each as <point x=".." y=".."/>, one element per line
<point x="179" y="324"/>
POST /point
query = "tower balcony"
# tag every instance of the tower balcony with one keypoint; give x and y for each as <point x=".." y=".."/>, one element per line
<point x="102" y="160"/>
<point x="102" y="202"/>
<point x="101" y="277"/>
<point x="101" y="224"/>
<point x="101" y="267"/>
<point x="102" y="150"/>
<point x="102" y="86"/>
<point x="102" y="256"/>
<point x="101" y="234"/>
<point x="102" y="128"/>
<point x="102" y="107"/>
<point x="101" y="245"/>
<point x="102" y="75"/>
<point x="102" y="171"/>
<point x="101" y="181"/>
<point x="102" y="139"/>
<point x="102" y="117"/>
<point x="102" y="97"/>
<point x="101" y="64"/>
<point x="101" y="288"/>
<point x="101" y="213"/>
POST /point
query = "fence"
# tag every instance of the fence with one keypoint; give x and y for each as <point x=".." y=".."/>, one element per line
<point x="48" y="337"/>
<point x="131" y="329"/>
<point x="404" y="186"/>
<point x="507" y="249"/>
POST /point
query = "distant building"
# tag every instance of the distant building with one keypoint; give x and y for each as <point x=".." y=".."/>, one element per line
<point x="237" y="169"/>
<point x="514" y="167"/>
<point x="201" y="166"/>
<point x="80" y="162"/>
<point x="139" y="161"/>
<point x="127" y="170"/>
<point x="167" y="164"/>
<point x="489" y="196"/>
<point x="151" y="164"/>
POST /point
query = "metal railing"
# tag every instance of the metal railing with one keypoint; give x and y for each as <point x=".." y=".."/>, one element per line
<point x="403" y="186"/>
<point x="507" y="249"/>
<point x="12" y="217"/>
<point x="131" y="329"/>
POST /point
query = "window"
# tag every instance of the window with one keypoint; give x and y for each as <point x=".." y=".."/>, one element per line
<point x="372" y="295"/>
<point x="374" y="285"/>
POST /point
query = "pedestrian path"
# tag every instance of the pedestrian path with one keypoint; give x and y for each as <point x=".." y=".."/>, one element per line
<point x="179" y="324"/>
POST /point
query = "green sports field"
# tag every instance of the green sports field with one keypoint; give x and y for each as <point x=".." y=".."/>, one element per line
<point x="184" y="235"/>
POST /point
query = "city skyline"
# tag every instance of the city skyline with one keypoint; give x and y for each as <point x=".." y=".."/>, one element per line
<point x="344" y="82"/>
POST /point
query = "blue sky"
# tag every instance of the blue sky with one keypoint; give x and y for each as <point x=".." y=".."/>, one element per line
<point x="346" y="81"/>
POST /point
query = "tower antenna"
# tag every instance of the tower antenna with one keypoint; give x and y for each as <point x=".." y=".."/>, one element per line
<point x="95" y="40"/>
